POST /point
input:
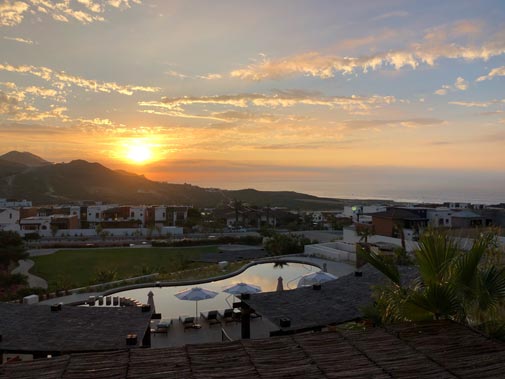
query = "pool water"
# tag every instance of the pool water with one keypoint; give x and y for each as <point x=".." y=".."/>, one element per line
<point x="264" y="275"/>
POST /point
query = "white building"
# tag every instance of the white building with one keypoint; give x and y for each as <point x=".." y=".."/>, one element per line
<point x="36" y="223"/>
<point x="138" y="213"/>
<point x="10" y="203"/>
<point x="359" y="212"/>
<point x="9" y="219"/>
<point x="94" y="212"/>
<point x="439" y="217"/>
<point x="160" y="214"/>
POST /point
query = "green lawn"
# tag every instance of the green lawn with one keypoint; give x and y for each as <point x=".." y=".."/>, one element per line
<point x="79" y="268"/>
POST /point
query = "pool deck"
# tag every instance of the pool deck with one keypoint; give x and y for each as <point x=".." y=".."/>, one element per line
<point x="178" y="336"/>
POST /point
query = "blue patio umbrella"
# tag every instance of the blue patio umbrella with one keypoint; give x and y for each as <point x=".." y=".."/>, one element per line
<point x="240" y="288"/>
<point x="196" y="294"/>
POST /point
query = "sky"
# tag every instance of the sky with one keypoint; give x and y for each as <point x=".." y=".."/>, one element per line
<point x="386" y="99"/>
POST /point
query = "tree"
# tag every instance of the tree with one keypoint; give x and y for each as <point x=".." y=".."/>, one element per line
<point x="364" y="232"/>
<point x="105" y="276"/>
<point x="54" y="230"/>
<point x="12" y="249"/>
<point x="282" y="244"/>
<point x="464" y="286"/>
<point x="237" y="206"/>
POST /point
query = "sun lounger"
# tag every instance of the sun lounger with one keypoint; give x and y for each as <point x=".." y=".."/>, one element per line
<point x="211" y="317"/>
<point x="230" y="315"/>
<point x="255" y="315"/>
<point x="163" y="326"/>
<point x="187" y="321"/>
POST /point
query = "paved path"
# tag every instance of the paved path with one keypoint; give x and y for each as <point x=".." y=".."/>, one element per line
<point x="39" y="252"/>
<point x="33" y="281"/>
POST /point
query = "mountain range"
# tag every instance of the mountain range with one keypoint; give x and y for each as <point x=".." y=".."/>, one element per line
<point x="24" y="175"/>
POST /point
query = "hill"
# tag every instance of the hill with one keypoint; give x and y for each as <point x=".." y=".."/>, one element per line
<point x="24" y="158"/>
<point x="81" y="180"/>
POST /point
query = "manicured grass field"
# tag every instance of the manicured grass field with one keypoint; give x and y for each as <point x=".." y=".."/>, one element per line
<point x="79" y="268"/>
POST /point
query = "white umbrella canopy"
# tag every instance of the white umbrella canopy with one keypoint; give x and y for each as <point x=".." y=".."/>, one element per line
<point x="196" y="294"/>
<point x="315" y="278"/>
<point x="240" y="288"/>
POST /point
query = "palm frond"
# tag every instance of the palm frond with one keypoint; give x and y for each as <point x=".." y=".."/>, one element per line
<point x="436" y="253"/>
<point x="387" y="268"/>
<point x="465" y="269"/>
<point x="491" y="287"/>
<point x="438" y="299"/>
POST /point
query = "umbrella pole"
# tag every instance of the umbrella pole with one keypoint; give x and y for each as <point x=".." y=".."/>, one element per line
<point x="196" y="315"/>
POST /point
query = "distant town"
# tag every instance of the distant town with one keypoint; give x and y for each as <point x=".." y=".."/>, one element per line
<point x="89" y="219"/>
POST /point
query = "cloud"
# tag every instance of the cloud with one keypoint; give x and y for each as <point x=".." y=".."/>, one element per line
<point x="479" y="104"/>
<point x="21" y="40"/>
<point x="390" y="15"/>
<point x="369" y="40"/>
<point x="459" y="85"/>
<point x="455" y="30"/>
<point x="16" y="110"/>
<point x="427" y="52"/>
<point x="470" y="104"/>
<point x="83" y="11"/>
<point x="210" y="76"/>
<point x="12" y="12"/>
<point x="279" y="99"/>
<point x="175" y="74"/>
<point x="408" y="123"/>
<point x="442" y="91"/>
<point x="231" y="116"/>
<point x="8" y="104"/>
<point x="179" y="75"/>
<point x="61" y="79"/>
<point x="498" y="71"/>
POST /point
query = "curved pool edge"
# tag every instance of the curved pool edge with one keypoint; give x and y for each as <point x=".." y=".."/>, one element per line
<point x="159" y="284"/>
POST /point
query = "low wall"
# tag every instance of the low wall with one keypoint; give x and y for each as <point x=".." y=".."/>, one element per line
<point x="119" y="232"/>
<point x="327" y="251"/>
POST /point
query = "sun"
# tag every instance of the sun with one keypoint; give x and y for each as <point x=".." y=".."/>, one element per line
<point x="139" y="153"/>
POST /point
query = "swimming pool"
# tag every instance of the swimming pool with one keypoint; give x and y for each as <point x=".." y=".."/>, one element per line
<point x="264" y="275"/>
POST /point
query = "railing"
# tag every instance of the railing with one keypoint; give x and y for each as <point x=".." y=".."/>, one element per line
<point x="225" y="337"/>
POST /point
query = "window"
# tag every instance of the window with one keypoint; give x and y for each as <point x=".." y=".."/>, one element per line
<point x="10" y="216"/>
<point x="132" y="214"/>
<point x="97" y="215"/>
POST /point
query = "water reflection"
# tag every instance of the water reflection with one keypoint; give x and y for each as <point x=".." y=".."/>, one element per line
<point x="264" y="275"/>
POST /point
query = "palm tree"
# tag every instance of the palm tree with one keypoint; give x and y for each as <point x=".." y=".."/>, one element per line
<point x="452" y="284"/>
<point x="237" y="206"/>
<point x="364" y="232"/>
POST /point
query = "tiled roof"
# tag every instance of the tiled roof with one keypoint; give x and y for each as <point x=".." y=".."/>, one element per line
<point x="440" y="349"/>
<point x="35" y="328"/>
<point x="337" y="301"/>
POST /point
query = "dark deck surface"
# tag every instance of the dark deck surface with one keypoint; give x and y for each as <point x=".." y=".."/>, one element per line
<point x="428" y="350"/>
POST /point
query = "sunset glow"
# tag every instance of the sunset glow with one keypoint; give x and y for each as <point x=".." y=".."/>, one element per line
<point x="191" y="91"/>
<point x="138" y="153"/>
